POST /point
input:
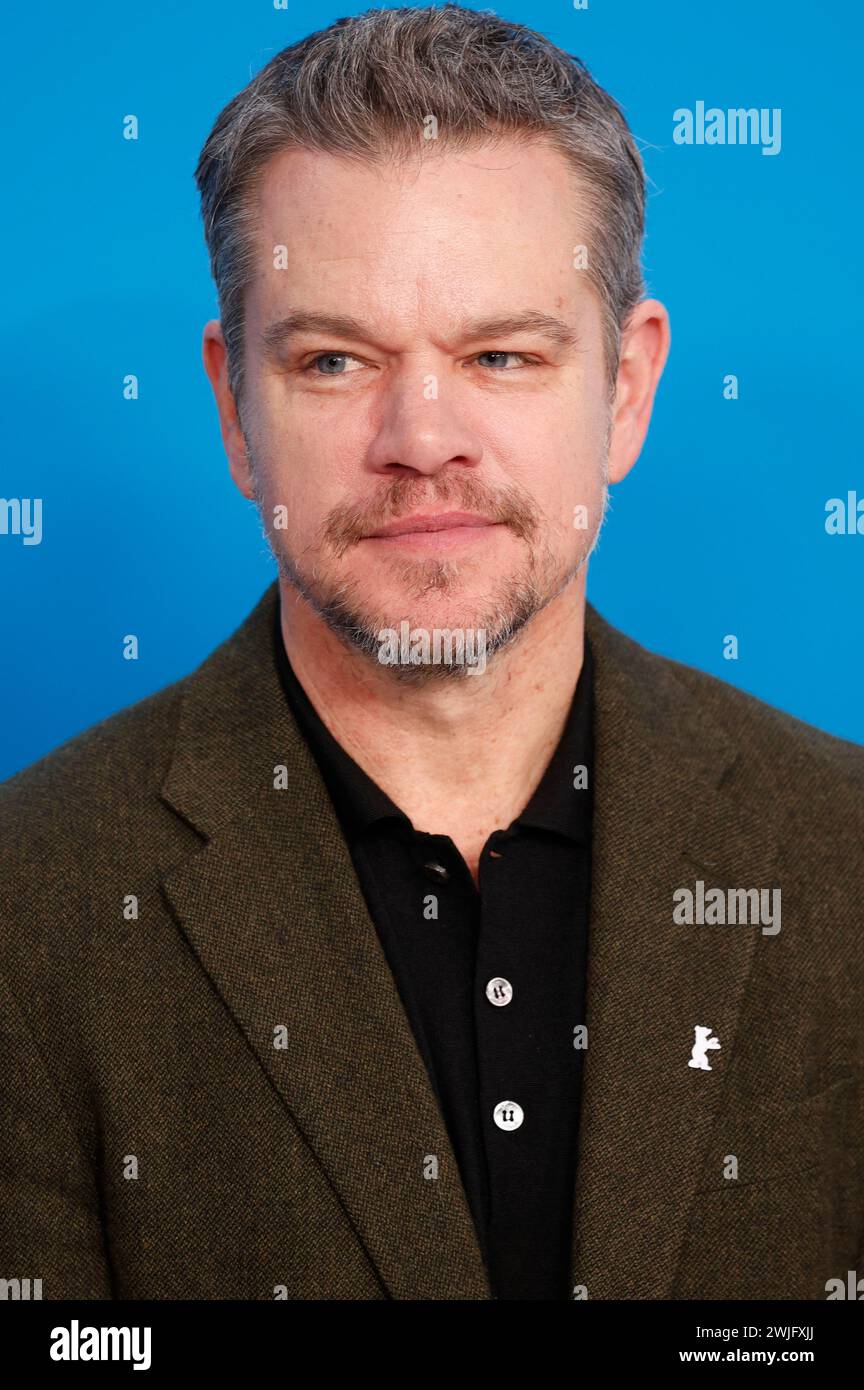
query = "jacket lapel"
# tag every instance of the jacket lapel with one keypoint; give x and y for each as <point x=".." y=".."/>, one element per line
<point x="661" y="821"/>
<point x="271" y="905"/>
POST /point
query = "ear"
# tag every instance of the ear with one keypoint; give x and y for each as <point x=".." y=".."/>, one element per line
<point x="215" y="357"/>
<point x="644" y="349"/>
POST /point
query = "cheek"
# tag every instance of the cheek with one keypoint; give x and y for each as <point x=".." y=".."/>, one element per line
<point x="288" y="456"/>
<point x="308" y="454"/>
<point x="559" y="461"/>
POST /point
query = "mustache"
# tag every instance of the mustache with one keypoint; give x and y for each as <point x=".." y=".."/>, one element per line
<point x="509" y="506"/>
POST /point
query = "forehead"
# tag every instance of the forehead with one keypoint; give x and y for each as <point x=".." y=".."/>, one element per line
<point x="445" y="230"/>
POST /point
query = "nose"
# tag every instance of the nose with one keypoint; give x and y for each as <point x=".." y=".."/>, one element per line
<point x="422" y="429"/>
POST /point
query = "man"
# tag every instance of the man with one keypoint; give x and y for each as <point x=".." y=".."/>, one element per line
<point x="433" y="939"/>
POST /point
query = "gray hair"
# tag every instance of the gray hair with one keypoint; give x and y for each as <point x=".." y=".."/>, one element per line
<point x="363" y="89"/>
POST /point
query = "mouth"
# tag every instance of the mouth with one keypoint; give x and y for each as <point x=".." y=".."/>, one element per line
<point x="435" y="531"/>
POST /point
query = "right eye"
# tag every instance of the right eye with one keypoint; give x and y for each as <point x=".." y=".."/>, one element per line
<point x="333" y="363"/>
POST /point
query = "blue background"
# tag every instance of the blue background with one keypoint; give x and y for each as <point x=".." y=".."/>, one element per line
<point x="720" y="527"/>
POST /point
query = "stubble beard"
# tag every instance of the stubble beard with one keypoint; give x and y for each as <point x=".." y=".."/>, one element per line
<point x="351" y="617"/>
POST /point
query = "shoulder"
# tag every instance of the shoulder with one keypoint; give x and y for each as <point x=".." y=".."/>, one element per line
<point x="114" y="762"/>
<point x="801" y="755"/>
<point x="79" y="830"/>
<point x="92" y="814"/>
<point x="87" y="815"/>
<point x="783" y="758"/>
<point x="116" y="767"/>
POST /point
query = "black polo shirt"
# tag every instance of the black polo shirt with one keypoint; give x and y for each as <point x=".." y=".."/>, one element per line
<point x="493" y="983"/>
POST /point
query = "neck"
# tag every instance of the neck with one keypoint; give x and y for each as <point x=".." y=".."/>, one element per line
<point x="460" y="758"/>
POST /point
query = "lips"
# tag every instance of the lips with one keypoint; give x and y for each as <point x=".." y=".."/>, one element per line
<point x="441" y="521"/>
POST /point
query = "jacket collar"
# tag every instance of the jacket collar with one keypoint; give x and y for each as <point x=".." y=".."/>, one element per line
<point x="668" y="811"/>
<point x="271" y="905"/>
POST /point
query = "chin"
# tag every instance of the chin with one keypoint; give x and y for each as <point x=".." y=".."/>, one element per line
<point x="461" y="609"/>
<point x="433" y="596"/>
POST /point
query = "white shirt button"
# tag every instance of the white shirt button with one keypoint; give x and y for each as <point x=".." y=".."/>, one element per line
<point x="508" y="1115"/>
<point x="499" y="991"/>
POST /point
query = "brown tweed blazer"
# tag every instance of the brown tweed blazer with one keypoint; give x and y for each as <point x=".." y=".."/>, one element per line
<point x="222" y="1098"/>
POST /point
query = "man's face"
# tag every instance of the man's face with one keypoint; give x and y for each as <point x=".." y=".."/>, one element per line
<point x="435" y="400"/>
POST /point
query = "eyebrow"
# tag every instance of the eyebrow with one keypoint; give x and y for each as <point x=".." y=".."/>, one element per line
<point x="345" y="326"/>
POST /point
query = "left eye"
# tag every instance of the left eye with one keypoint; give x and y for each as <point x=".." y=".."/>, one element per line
<point x="333" y="362"/>
<point x="499" y="363"/>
